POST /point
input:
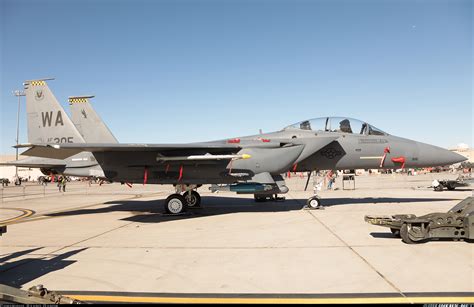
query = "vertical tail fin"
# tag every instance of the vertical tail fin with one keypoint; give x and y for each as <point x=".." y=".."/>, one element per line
<point x="88" y="122"/>
<point x="47" y="121"/>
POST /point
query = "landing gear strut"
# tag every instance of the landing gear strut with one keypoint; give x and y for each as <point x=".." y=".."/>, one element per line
<point x="314" y="202"/>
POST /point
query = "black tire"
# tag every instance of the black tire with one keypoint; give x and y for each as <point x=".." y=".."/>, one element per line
<point x="313" y="202"/>
<point x="193" y="200"/>
<point x="259" y="198"/>
<point x="451" y="187"/>
<point x="439" y="188"/>
<point x="404" y="235"/>
<point x="395" y="232"/>
<point x="175" y="204"/>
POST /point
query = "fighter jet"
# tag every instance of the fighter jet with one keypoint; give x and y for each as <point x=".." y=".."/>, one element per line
<point x="85" y="122"/>
<point x="246" y="165"/>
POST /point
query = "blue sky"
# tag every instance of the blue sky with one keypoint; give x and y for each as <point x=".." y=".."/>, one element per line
<point x="181" y="71"/>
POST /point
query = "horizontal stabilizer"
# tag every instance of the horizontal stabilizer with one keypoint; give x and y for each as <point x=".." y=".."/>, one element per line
<point x="36" y="162"/>
<point x="49" y="151"/>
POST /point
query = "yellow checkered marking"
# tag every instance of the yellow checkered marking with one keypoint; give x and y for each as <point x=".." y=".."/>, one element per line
<point x="38" y="83"/>
<point x="77" y="100"/>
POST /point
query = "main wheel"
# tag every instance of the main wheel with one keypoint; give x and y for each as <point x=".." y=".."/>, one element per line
<point x="192" y="199"/>
<point x="259" y="198"/>
<point x="175" y="204"/>
<point x="451" y="186"/>
<point x="314" y="202"/>
<point x="439" y="188"/>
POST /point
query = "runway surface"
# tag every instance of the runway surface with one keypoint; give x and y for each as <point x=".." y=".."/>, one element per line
<point x="114" y="243"/>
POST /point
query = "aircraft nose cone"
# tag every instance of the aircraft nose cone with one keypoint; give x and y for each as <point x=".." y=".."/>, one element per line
<point x="430" y="155"/>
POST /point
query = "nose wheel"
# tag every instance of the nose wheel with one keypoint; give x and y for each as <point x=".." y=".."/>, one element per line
<point x="192" y="198"/>
<point x="314" y="202"/>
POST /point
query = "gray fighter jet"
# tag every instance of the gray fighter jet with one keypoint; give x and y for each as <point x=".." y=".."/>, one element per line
<point x="85" y="122"/>
<point x="249" y="164"/>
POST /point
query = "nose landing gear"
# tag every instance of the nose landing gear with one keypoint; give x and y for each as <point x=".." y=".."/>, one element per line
<point x="314" y="202"/>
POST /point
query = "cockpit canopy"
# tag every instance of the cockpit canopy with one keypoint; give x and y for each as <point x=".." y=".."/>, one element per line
<point x="337" y="124"/>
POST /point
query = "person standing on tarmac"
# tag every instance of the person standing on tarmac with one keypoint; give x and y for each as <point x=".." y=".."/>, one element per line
<point x="331" y="179"/>
<point x="60" y="181"/>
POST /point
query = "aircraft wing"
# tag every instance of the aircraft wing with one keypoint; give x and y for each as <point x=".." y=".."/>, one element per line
<point x="62" y="151"/>
<point x="205" y="151"/>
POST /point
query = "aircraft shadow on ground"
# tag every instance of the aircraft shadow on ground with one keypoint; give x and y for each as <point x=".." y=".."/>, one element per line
<point x="462" y="190"/>
<point x="384" y="235"/>
<point x="20" y="272"/>
<point x="16" y="255"/>
<point x="389" y="235"/>
<point x="153" y="211"/>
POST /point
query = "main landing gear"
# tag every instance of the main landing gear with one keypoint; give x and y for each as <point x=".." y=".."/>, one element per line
<point x="185" y="197"/>
<point x="175" y="204"/>
<point x="193" y="199"/>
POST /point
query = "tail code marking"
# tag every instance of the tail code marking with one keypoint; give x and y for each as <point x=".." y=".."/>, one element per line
<point x="48" y="116"/>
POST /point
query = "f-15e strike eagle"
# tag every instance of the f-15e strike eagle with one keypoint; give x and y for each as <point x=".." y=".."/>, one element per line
<point x="247" y="165"/>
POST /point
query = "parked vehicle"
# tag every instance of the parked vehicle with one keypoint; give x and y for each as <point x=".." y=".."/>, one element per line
<point x="456" y="224"/>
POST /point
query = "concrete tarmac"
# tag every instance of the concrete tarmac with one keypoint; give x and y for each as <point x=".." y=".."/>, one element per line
<point x="117" y="240"/>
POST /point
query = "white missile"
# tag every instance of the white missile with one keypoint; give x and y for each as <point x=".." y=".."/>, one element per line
<point x="204" y="157"/>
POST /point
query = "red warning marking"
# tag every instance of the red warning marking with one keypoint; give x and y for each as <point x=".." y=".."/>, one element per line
<point x="233" y="141"/>
<point x="180" y="173"/>
<point x="145" y="176"/>
<point x="385" y="152"/>
<point x="400" y="159"/>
